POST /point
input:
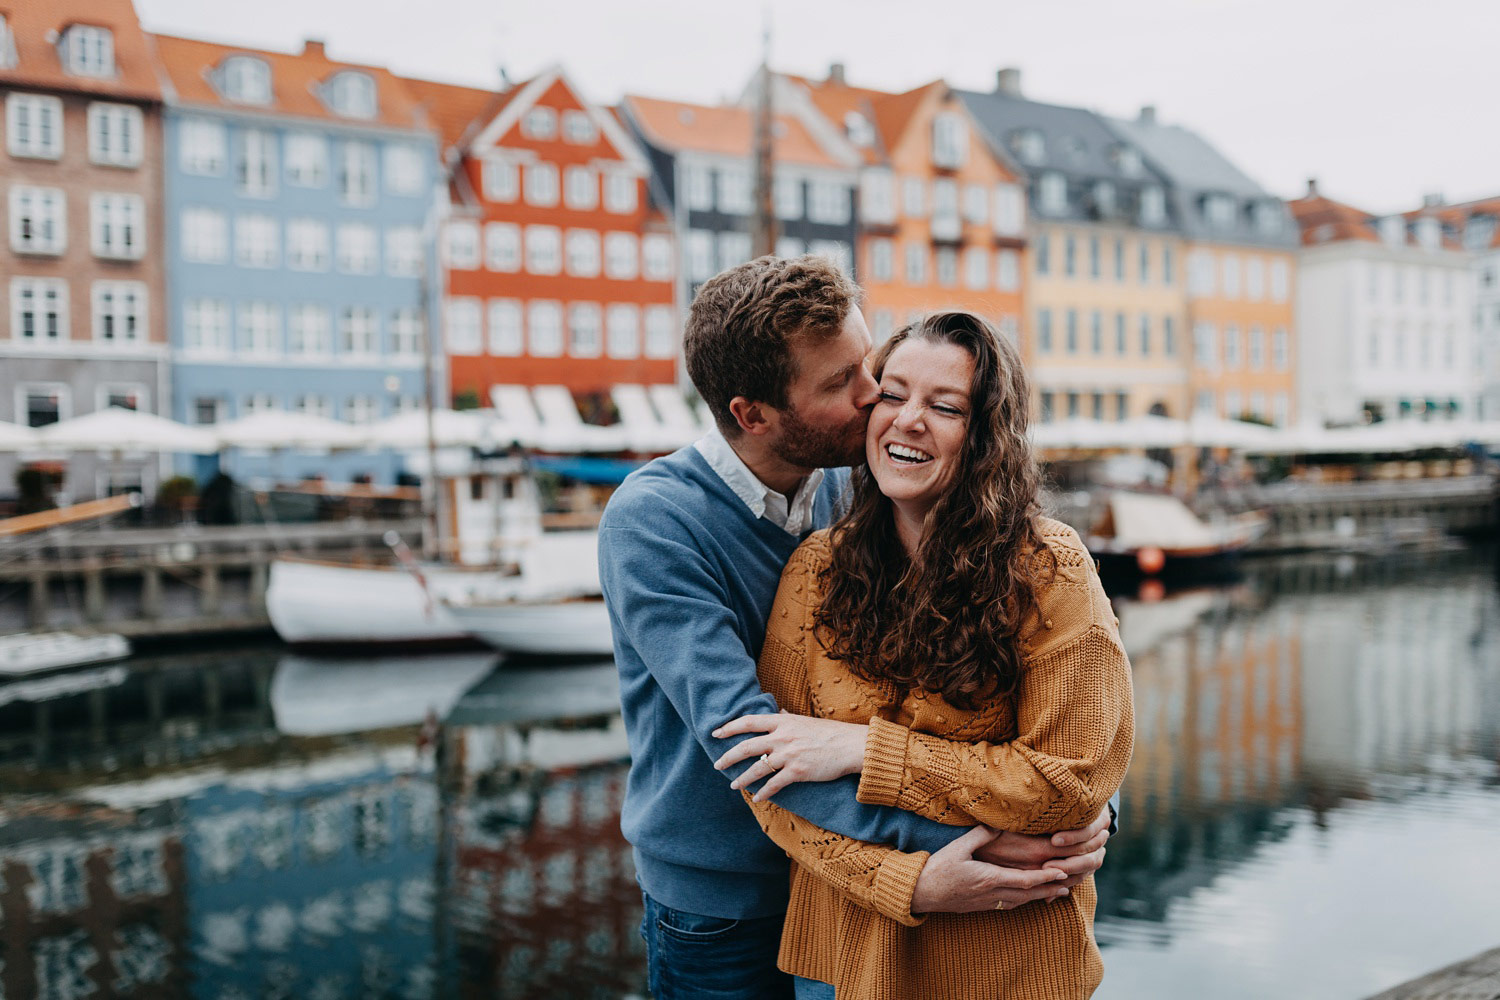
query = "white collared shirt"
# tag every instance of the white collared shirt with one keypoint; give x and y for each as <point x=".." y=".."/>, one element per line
<point x="794" y="516"/>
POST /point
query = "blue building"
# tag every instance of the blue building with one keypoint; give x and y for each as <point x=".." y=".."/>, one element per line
<point x="298" y="192"/>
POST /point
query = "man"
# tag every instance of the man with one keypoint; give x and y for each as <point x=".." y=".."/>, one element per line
<point x="691" y="549"/>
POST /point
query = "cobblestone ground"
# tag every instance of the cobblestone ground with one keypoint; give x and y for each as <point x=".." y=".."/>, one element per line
<point x="1477" y="978"/>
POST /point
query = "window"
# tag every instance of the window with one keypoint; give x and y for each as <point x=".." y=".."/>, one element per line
<point x="976" y="204"/>
<point x="1153" y="206"/>
<point x="828" y="202"/>
<point x="915" y="263"/>
<point x="255" y="170"/>
<point x="1201" y="274"/>
<point x="734" y="248"/>
<point x="882" y="260"/>
<point x="621" y="192"/>
<point x="403" y="252"/>
<point x="950" y="141"/>
<point x="579" y="128"/>
<point x="205" y="236"/>
<point x="945" y="205"/>
<point x="1279" y="354"/>
<point x="947" y="267"/>
<point x="306" y="159"/>
<point x="977" y="268"/>
<point x="733" y="191"/>
<point x="541" y="184"/>
<point x="34" y="126"/>
<point x="834" y="250"/>
<point x="352" y="95"/>
<point x="1206" y="402"/>
<point x="877" y="196"/>
<point x="38" y="220"/>
<point x="406" y="334"/>
<point x="1255" y="279"/>
<point x="357" y="173"/>
<point x="1257" y="348"/>
<point x="1096" y="332"/>
<point x="1044" y="331"/>
<point x="7" y="46"/>
<point x="1053" y="193"/>
<point x="1104" y="199"/>
<point x="1096" y="405"/>
<point x="581" y="188"/>
<point x="1231" y="347"/>
<point x="260" y="402"/>
<point x="788" y="247"/>
<point x="117" y="226"/>
<point x="505" y="328"/>
<point x="539" y="123"/>
<point x="1008" y="271"/>
<point x="461" y="245"/>
<point x="306" y="245"/>
<point x="359" y="331"/>
<point x="501" y="179"/>
<point x="246" y="80"/>
<point x="308" y="331"/>
<point x="1145" y="335"/>
<point x="583" y="253"/>
<point x="45" y="403"/>
<point x="260" y="329"/>
<point x="314" y="404"/>
<point x="207" y="410"/>
<point x="1042" y="251"/>
<point x="1095" y="264"/>
<point x="656" y="257"/>
<point x="1048" y="407"/>
<point x="1071" y="337"/>
<point x="701" y="255"/>
<point x="38" y="310"/>
<point x="699" y="187"/>
<point x="914" y="197"/>
<point x="404" y="173"/>
<point x="544" y="327"/>
<point x="1070" y="255"/>
<point x="1119" y="259"/>
<point x="1168" y="265"/>
<point x="660" y="342"/>
<point x="623" y="331"/>
<point x="1122" y="337"/>
<point x="358" y="249"/>
<point x="205" y="327"/>
<point x="1122" y="405"/>
<point x="1169" y="336"/>
<point x="115" y="133"/>
<point x="1231" y="268"/>
<point x="89" y="50"/>
<point x="361" y="409"/>
<point x="620" y="256"/>
<point x="256" y="241"/>
<point x="202" y="145"/>
<point x="1218" y="210"/>
<point x="1073" y="405"/>
<point x="543" y="249"/>
<point x="1010" y="210"/>
<point x="786" y="193"/>
<point x="1281" y="409"/>
<point x="1145" y="263"/>
<point x="502" y="247"/>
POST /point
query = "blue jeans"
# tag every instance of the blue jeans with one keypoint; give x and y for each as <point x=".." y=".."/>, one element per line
<point x="693" y="957"/>
<point x="811" y="989"/>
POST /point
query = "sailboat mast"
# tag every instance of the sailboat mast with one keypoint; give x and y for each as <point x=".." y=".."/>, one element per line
<point x="763" y="227"/>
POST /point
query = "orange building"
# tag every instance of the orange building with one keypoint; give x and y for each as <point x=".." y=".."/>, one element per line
<point x="942" y="213"/>
<point x="558" y="270"/>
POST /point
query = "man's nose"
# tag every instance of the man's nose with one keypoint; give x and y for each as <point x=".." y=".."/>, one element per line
<point x="869" y="389"/>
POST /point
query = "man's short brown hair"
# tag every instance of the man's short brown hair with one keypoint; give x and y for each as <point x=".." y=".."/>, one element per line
<point x="743" y="322"/>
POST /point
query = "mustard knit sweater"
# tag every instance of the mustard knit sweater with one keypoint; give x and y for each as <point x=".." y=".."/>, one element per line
<point x="1043" y="760"/>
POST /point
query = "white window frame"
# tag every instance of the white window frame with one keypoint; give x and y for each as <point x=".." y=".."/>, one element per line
<point x="580" y="188"/>
<point x="403" y="252"/>
<point x="698" y="187"/>
<point x="734" y="191"/>
<point x="307" y="245"/>
<point x="461" y="245"/>
<point x="621" y="191"/>
<point x="255" y="167"/>
<point x="882" y="260"/>
<point x="306" y="157"/>
<point x="202" y="146"/>
<point x="585" y="330"/>
<point x="950" y="140"/>
<point x="578" y="128"/>
<point x="877" y="196"/>
<point x="786" y="194"/>
<point x="507" y="328"/>
<point x="622" y="330"/>
<point x="90" y="50"/>
<point x="544" y="251"/>
<point x="120" y="312"/>
<point x="583" y="253"/>
<point x="116" y="134"/>
<point x="621" y="256"/>
<point x="49" y="303"/>
<point x="34" y="126"/>
<point x="258" y="325"/>
<point x="656" y="257"/>
<point x="359" y="334"/>
<point x="204" y="235"/>
<point x="358" y="168"/>
<point x="61" y="390"/>
<point x="245" y="80"/>
<point x="828" y="202"/>
<point x="357" y="248"/>
<point x="502" y="247"/>
<point x="1052" y="193"/>
<point x="117" y="226"/>
<point x="700" y="253"/>
<point x="404" y="173"/>
<point x="544" y="328"/>
<point x="251" y="247"/>
<point x="541" y="182"/>
<point x="539" y="123"/>
<point x="500" y="179"/>
<point x="309" y="332"/>
<point x="353" y="94"/>
<point x="207" y="328"/>
<point x="38" y="220"/>
<point x="407" y="334"/>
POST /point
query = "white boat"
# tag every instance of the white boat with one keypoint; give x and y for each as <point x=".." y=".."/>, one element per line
<point x="564" y="627"/>
<point x="37" y="652"/>
<point x="327" y="697"/>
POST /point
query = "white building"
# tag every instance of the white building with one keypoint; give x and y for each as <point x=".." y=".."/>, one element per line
<point x="1477" y="225"/>
<point x="1385" y="317"/>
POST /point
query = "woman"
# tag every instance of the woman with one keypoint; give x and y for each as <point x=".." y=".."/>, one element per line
<point x="955" y="649"/>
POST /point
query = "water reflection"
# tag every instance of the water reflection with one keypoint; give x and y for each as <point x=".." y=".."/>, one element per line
<point x="251" y="824"/>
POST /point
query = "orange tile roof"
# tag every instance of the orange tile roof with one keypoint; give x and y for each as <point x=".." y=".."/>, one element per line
<point x="294" y="80"/>
<point x="725" y="130"/>
<point x="1456" y="217"/>
<point x="836" y="101"/>
<point x="893" y="113"/>
<point x="453" y="109"/>
<point x="1323" y="220"/>
<point x="37" y="60"/>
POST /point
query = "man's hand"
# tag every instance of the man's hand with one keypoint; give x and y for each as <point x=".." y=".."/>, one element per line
<point x="953" y="881"/>
<point x="1079" y="853"/>
<point x="798" y="748"/>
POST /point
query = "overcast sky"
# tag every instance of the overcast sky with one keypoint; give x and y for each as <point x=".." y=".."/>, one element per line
<point x="1382" y="102"/>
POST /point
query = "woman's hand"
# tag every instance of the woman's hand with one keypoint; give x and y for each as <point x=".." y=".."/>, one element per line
<point x="955" y="881"/>
<point x="799" y="749"/>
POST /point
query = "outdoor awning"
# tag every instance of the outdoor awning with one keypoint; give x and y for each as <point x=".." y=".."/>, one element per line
<point x="587" y="468"/>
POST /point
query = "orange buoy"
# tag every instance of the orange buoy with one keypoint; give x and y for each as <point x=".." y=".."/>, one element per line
<point x="1151" y="591"/>
<point x="1150" y="560"/>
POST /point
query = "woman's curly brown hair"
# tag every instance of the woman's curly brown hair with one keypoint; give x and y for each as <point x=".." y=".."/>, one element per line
<point x="946" y="620"/>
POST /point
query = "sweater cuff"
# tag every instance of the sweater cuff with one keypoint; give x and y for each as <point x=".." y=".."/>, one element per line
<point x="895" y="882"/>
<point x="884" y="770"/>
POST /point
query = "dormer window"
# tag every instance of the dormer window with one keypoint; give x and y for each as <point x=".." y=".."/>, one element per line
<point x="1128" y="161"/>
<point x="539" y="123"/>
<point x="1052" y="193"/>
<point x="578" y="128"/>
<point x="949" y="141"/>
<point x="1218" y="211"/>
<point x="1104" y="198"/>
<point x="7" y="45"/>
<point x="245" y="79"/>
<point x="89" y="50"/>
<point x="1393" y="230"/>
<point x="1267" y="217"/>
<point x="1029" y="146"/>
<point x="1154" y="206"/>
<point x="859" y="130"/>
<point x="1480" y="232"/>
<point x="1429" y="233"/>
<point x="352" y="95"/>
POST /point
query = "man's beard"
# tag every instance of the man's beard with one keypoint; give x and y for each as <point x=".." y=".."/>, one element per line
<point x="812" y="447"/>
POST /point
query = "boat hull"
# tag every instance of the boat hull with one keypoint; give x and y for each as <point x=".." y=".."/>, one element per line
<point x="323" y="605"/>
<point x="567" y="628"/>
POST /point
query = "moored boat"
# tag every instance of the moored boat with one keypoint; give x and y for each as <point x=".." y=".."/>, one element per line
<point x="27" y="653"/>
<point x="576" y="626"/>
<point x="1157" y="535"/>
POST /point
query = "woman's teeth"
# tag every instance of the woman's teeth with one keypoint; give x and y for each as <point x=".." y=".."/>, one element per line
<point x="902" y="455"/>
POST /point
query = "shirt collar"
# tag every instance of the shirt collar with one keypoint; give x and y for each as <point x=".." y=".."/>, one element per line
<point x="794" y="515"/>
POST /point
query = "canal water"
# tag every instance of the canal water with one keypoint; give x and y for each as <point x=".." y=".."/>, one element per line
<point x="1313" y="809"/>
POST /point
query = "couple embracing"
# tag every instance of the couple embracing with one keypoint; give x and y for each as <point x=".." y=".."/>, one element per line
<point x="902" y="677"/>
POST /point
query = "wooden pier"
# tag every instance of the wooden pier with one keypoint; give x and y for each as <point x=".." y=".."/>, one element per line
<point x="1476" y="978"/>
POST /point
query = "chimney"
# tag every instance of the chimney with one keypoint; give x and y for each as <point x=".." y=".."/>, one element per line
<point x="1433" y="199"/>
<point x="314" y="47"/>
<point x="1008" y="81"/>
<point x="836" y="74"/>
<point x="1147" y="115"/>
<point x="1312" y="188"/>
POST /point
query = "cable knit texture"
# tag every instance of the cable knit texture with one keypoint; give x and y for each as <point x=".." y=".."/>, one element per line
<point x="1045" y="759"/>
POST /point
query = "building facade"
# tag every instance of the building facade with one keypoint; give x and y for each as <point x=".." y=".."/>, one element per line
<point x="558" y="270"/>
<point x="81" y="296"/>
<point x="1476" y="226"/>
<point x="299" y="195"/>
<point x="1384" y="317"/>
<point x="1105" y="335"/>
<point x="1240" y="247"/>
<point x="942" y="213"/>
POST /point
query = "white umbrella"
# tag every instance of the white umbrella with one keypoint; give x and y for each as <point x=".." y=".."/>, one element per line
<point x="14" y="437"/>
<point x="282" y="429"/>
<point x="119" y="429"/>
<point x="1205" y="430"/>
<point x="451" y="428"/>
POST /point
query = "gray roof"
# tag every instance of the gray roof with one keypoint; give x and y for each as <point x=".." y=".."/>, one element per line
<point x="1194" y="169"/>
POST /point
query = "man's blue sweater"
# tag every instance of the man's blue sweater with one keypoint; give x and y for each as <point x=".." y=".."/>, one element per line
<point x="689" y="575"/>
